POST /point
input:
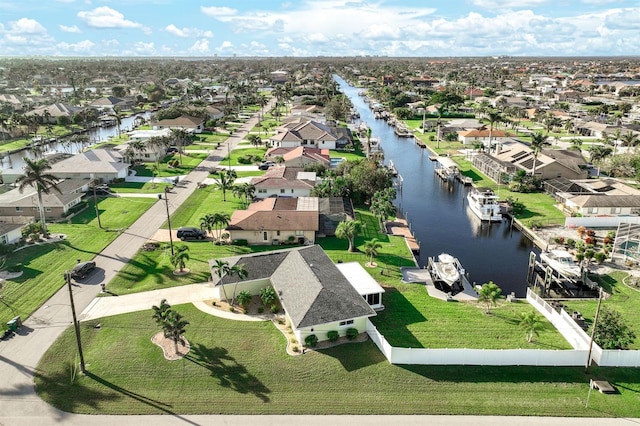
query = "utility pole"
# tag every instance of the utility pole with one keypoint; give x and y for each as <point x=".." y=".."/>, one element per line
<point x="229" y="153"/>
<point x="76" y="324"/>
<point x="166" y="203"/>
<point x="593" y="331"/>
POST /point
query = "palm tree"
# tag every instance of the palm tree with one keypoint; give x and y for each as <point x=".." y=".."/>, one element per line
<point x="348" y="230"/>
<point x="599" y="153"/>
<point x="180" y="136"/>
<point x="118" y="117"/>
<point x="224" y="181"/>
<point x="493" y="117"/>
<point x="180" y="257"/>
<point x="244" y="298"/>
<point x="220" y="221"/>
<point x="245" y="191"/>
<point x="221" y="268"/>
<point x="207" y="223"/>
<point x="538" y="141"/>
<point x="531" y="323"/>
<point x="240" y="272"/>
<point x="629" y="139"/>
<point x="174" y="326"/>
<point x="160" y="311"/>
<point x="489" y="294"/>
<point x="371" y="249"/>
<point x="35" y="175"/>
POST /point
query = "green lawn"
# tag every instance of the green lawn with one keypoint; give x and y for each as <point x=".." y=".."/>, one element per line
<point x="44" y="265"/>
<point x="189" y="162"/>
<point x="624" y="299"/>
<point x="239" y="367"/>
<point x="237" y="153"/>
<point x="201" y="202"/>
<point x="138" y="187"/>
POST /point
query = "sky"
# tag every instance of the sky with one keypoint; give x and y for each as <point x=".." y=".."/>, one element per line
<point x="306" y="28"/>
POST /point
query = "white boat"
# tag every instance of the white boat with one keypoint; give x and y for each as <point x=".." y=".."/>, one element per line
<point x="484" y="203"/>
<point x="447" y="268"/>
<point x="562" y="262"/>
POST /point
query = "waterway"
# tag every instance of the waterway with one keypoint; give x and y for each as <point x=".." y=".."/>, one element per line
<point x="13" y="163"/>
<point x="439" y="216"/>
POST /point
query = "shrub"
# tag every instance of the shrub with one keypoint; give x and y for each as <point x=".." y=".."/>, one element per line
<point x="333" y="336"/>
<point x="558" y="240"/>
<point x="275" y="309"/>
<point x="600" y="257"/>
<point x="295" y="349"/>
<point x="571" y="243"/>
<point x="260" y="309"/>
<point x="311" y="340"/>
<point x="352" y="333"/>
<point x="240" y="242"/>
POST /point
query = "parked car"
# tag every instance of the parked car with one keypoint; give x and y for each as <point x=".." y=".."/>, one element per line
<point x="266" y="165"/>
<point x="82" y="269"/>
<point x="190" y="233"/>
<point x="172" y="150"/>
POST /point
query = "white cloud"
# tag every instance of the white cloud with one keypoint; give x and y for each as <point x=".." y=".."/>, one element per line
<point x="508" y="4"/>
<point x="200" y="46"/>
<point x="215" y="12"/>
<point x="188" y="32"/>
<point x="72" y="29"/>
<point x="106" y="17"/>
<point x="85" y="46"/>
<point x="25" y="26"/>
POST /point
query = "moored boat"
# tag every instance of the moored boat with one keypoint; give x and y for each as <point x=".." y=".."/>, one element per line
<point x="484" y="203"/>
<point x="561" y="261"/>
<point x="447" y="269"/>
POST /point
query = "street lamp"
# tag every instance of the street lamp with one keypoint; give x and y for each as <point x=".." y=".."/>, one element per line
<point x="166" y="202"/>
<point x="76" y="324"/>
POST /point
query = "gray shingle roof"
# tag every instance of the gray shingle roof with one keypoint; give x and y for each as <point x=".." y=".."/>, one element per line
<point x="312" y="290"/>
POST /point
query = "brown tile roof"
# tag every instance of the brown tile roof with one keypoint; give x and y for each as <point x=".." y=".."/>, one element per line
<point x="286" y="220"/>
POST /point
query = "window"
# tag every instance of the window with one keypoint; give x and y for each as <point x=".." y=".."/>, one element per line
<point x="616" y="210"/>
<point x="299" y="233"/>
<point x="47" y="209"/>
<point x="262" y="191"/>
<point x="18" y="209"/>
<point x="592" y="210"/>
<point x="265" y="236"/>
<point x="278" y="233"/>
<point x="292" y="190"/>
<point x="282" y="191"/>
<point x="345" y="323"/>
<point x="372" y="299"/>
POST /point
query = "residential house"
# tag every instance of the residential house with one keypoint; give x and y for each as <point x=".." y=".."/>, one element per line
<point x="332" y="211"/>
<point x="316" y="295"/>
<point x="54" y="111"/>
<point x="191" y="124"/>
<point x="301" y="156"/>
<point x="590" y="128"/>
<point x="594" y="197"/>
<point x="23" y="206"/>
<point x="10" y="232"/>
<point x="473" y="136"/>
<point x="149" y="153"/>
<point x="511" y="156"/>
<point x="105" y="165"/>
<point x="213" y="112"/>
<point x="282" y="181"/>
<point x="276" y="221"/>
<point x="108" y="103"/>
<point x="310" y="134"/>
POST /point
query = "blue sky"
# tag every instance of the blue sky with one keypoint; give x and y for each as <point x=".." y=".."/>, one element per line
<point x="319" y="27"/>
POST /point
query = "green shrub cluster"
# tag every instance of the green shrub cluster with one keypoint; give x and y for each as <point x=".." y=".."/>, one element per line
<point x="352" y="333"/>
<point x="333" y="336"/>
<point x="311" y="340"/>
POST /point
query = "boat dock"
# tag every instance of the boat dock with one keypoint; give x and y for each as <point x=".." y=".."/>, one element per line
<point x="400" y="228"/>
<point x="423" y="276"/>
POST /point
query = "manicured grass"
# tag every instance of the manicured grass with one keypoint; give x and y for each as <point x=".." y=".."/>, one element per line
<point x="237" y="153"/>
<point x="153" y="270"/>
<point x="624" y="299"/>
<point x="189" y="162"/>
<point x="241" y="368"/>
<point x="138" y="187"/>
<point x="349" y="156"/>
<point x="413" y="319"/>
<point x="201" y="202"/>
<point x="44" y="265"/>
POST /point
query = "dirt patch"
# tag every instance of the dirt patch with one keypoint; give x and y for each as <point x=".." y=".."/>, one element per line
<point x="169" y="347"/>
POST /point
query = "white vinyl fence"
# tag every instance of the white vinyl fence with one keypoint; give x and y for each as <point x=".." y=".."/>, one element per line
<point x="502" y="357"/>
<point x="599" y="221"/>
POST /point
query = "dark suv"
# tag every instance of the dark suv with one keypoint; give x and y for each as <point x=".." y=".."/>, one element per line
<point x="189" y="233"/>
<point x="83" y="269"/>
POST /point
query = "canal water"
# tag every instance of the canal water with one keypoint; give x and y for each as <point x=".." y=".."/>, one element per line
<point x="13" y="163"/>
<point x="439" y="216"/>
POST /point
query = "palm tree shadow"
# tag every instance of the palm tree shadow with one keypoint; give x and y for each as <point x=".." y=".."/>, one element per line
<point x="227" y="370"/>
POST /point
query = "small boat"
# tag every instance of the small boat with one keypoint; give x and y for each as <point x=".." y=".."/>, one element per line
<point x="562" y="262"/>
<point x="484" y="203"/>
<point x="447" y="269"/>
